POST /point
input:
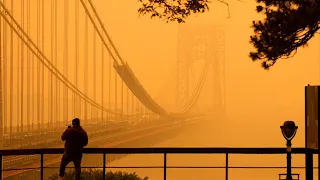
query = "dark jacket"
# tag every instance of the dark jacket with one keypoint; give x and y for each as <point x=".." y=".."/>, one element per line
<point x="76" y="138"/>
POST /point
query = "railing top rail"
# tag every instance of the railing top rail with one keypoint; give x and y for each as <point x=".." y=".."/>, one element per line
<point x="162" y="150"/>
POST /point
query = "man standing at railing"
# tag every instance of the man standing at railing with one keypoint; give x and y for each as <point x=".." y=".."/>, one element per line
<point x="76" y="138"/>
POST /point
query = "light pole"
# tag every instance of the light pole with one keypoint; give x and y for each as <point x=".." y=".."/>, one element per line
<point x="289" y="130"/>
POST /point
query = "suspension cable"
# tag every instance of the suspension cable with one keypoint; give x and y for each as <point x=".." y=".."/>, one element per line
<point x="75" y="101"/>
<point x="1" y="87"/>
<point x="109" y="98"/>
<point x="65" y="60"/>
<point x="98" y="32"/>
<point x="38" y="64"/>
<point x="58" y="74"/>
<point x="28" y="68"/>
<point x="18" y="88"/>
<point x="93" y="110"/>
<point x="11" y="74"/>
<point x="102" y="79"/>
<point x="105" y="32"/>
<point x="57" y="112"/>
<point x="22" y="67"/>
<point x="50" y="84"/>
<point x="197" y="91"/>
<point x="42" y="67"/>
<point x="5" y="57"/>
<point x="86" y="66"/>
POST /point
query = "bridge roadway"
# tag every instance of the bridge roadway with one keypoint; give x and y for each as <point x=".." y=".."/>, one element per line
<point x="133" y="138"/>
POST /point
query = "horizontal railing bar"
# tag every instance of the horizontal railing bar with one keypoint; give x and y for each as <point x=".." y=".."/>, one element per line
<point x="7" y="152"/>
<point x="170" y="167"/>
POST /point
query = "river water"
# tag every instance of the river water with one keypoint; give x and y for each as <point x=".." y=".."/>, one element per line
<point x="208" y="135"/>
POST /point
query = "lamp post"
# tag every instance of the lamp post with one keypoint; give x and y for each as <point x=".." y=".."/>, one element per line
<point x="289" y="130"/>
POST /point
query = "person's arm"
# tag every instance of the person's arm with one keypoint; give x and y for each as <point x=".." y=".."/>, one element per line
<point x="65" y="135"/>
<point x="85" y="140"/>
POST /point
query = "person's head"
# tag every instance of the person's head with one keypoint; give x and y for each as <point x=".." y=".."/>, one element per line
<point x="76" y="122"/>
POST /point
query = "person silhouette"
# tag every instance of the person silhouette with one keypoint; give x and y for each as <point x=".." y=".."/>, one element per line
<point x="75" y="138"/>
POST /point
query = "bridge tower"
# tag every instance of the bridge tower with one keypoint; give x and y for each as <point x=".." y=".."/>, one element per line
<point x="198" y="42"/>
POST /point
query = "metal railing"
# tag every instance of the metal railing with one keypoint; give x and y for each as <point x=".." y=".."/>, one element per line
<point x="165" y="151"/>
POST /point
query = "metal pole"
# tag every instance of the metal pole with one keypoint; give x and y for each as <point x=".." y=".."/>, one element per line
<point x="309" y="164"/>
<point x="289" y="177"/>
<point x="318" y="158"/>
<point x="104" y="167"/>
<point x="227" y="166"/>
<point x="0" y="166"/>
<point x="165" y="166"/>
<point x="41" y="166"/>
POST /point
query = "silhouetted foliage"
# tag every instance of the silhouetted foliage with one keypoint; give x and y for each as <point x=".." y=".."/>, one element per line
<point x="173" y="10"/>
<point x="93" y="174"/>
<point x="288" y="25"/>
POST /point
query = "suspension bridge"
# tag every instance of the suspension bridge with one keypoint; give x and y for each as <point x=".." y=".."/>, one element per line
<point x="52" y="62"/>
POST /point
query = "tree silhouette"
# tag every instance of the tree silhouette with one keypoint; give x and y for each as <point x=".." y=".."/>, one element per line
<point x="174" y="10"/>
<point x="288" y="25"/>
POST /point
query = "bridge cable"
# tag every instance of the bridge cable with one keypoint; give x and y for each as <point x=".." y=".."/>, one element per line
<point x="50" y="83"/>
<point x="98" y="32"/>
<point x="5" y="57"/>
<point x="58" y="73"/>
<point x="93" y="110"/>
<point x="86" y="66"/>
<point x="57" y="83"/>
<point x="66" y="58"/>
<point x="200" y="86"/>
<point x="102" y="79"/>
<point x="11" y="75"/>
<point x="104" y="30"/>
<point x="42" y="66"/>
<point x="22" y="71"/>
<point x="75" y="99"/>
<point x="38" y="64"/>
<point x="29" y="93"/>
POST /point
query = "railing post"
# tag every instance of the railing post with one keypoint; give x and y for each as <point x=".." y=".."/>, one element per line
<point x="165" y="166"/>
<point x="309" y="164"/>
<point x="41" y="166"/>
<point x="104" y="166"/>
<point x="0" y="166"/>
<point x="227" y="166"/>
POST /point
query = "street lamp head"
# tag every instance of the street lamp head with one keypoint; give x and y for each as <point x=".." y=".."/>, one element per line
<point x="289" y="130"/>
